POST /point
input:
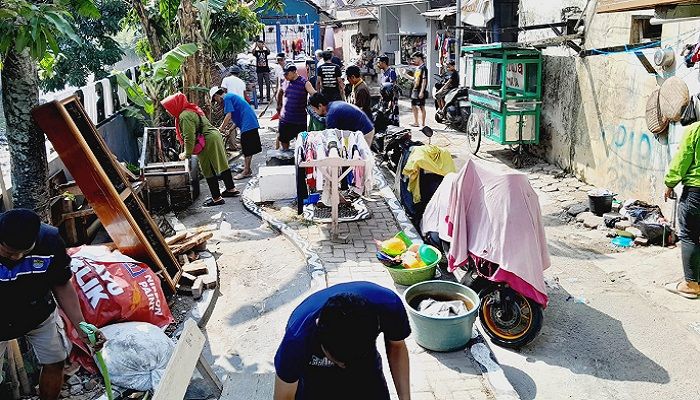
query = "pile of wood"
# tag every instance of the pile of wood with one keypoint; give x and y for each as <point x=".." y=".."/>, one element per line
<point x="197" y="273"/>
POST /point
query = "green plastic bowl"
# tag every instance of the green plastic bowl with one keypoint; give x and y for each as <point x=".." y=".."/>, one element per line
<point x="409" y="277"/>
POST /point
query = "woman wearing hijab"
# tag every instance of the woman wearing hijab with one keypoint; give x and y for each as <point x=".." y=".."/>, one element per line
<point x="190" y="122"/>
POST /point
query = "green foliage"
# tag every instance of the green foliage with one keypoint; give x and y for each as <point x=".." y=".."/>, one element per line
<point x="157" y="80"/>
<point x="34" y="27"/>
<point x="233" y="29"/>
<point x="94" y="54"/>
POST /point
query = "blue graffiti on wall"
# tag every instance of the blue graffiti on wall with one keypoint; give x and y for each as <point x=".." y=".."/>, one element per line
<point x="633" y="148"/>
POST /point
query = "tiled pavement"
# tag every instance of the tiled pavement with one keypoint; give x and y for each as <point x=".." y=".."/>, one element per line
<point x="434" y="376"/>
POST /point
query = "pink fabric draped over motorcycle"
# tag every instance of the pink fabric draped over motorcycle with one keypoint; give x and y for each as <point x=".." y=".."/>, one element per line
<point x="493" y="214"/>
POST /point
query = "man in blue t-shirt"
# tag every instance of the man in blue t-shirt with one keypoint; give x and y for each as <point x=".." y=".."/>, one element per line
<point x="241" y="114"/>
<point x="342" y="115"/>
<point x="329" y="348"/>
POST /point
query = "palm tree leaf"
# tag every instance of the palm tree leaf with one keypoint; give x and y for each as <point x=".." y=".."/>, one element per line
<point x="171" y="62"/>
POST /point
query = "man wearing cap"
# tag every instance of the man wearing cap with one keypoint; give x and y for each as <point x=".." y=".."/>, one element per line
<point x="35" y="276"/>
<point x="291" y="105"/>
<point x="234" y="84"/>
<point x="241" y="114"/>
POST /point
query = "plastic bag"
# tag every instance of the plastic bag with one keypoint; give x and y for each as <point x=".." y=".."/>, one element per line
<point x="136" y="354"/>
<point x="690" y="113"/>
<point x="113" y="288"/>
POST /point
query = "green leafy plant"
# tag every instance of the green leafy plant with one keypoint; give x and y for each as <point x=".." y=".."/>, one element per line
<point x="157" y="80"/>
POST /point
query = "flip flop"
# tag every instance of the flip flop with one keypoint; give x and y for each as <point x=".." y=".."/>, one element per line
<point x="241" y="176"/>
<point x="235" y="193"/>
<point x="673" y="288"/>
<point x="212" y="203"/>
<point x="414" y="125"/>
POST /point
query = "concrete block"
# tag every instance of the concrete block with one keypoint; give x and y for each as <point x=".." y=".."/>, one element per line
<point x="209" y="281"/>
<point x="592" y="221"/>
<point x="187" y="279"/>
<point x="277" y="183"/>
<point x="198" y="288"/>
<point x="196" y="268"/>
<point x="582" y="216"/>
<point x="623" y="225"/>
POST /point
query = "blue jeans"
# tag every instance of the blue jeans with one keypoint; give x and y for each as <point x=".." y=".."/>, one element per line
<point x="689" y="233"/>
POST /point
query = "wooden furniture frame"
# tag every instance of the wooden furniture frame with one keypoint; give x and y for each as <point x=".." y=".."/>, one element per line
<point x="105" y="187"/>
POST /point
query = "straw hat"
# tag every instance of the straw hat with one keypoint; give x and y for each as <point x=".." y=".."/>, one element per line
<point x="656" y="122"/>
<point x="673" y="97"/>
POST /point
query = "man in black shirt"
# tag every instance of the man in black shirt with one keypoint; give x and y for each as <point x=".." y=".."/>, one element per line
<point x="261" y="52"/>
<point x="35" y="275"/>
<point x="330" y="82"/>
<point x="452" y="83"/>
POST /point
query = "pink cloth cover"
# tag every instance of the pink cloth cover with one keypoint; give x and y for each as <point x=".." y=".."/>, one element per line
<point x="495" y="214"/>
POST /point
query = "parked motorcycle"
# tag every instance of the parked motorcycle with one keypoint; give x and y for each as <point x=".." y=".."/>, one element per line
<point x="440" y="80"/>
<point x="457" y="109"/>
<point x="508" y="317"/>
<point x="512" y="297"/>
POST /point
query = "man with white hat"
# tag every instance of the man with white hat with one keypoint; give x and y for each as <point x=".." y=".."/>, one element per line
<point x="241" y="114"/>
<point x="234" y="84"/>
<point x="335" y="59"/>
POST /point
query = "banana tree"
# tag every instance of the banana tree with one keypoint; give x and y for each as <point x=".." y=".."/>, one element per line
<point x="157" y="80"/>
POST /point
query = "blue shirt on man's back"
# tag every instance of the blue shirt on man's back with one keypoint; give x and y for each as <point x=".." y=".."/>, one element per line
<point x="242" y="114"/>
<point x="345" y="116"/>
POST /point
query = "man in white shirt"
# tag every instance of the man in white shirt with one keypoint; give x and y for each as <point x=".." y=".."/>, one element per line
<point x="234" y="84"/>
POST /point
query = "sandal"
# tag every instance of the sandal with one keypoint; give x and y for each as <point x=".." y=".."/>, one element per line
<point x="414" y="125"/>
<point x="228" y="193"/>
<point x="241" y="176"/>
<point x="212" y="203"/>
<point x="673" y="288"/>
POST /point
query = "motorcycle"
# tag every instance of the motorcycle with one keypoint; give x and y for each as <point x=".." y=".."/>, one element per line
<point x="512" y="298"/>
<point x="390" y="144"/>
<point x="440" y="80"/>
<point x="457" y="109"/>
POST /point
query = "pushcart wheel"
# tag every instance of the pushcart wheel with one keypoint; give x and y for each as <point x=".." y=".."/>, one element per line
<point x="474" y="131"/>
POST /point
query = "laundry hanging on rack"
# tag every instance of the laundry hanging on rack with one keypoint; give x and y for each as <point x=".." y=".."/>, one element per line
<point x="340" y="144"/>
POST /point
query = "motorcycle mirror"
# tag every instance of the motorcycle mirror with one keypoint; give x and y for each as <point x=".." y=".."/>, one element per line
<point x="428" y="131"/>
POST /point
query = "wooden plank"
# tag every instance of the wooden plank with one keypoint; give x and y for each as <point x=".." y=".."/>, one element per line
<point x="178" y="373"/>
<point x="196" y="268"/>
<point x="192" y="243"/>
<point x="101" y="180"/>
<point x="606" y="6"/>
<point x="176" y="238"/>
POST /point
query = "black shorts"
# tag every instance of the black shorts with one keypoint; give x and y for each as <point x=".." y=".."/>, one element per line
<point x="250" y="143"/>
<point x="288" y="132"/>
<point x="331" y="94"/>
<point x="418" y="102"/>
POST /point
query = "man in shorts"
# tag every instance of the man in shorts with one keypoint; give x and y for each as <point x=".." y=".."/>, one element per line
<point x="329" y="350"/>
<point x="34" y="277"/>
<point x="291" y="105"/>
<point x="420" y="87"/>
<point x="241" y="114"/>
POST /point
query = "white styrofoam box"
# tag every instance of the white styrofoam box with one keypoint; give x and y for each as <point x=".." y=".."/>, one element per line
<point x="278" y="183"/>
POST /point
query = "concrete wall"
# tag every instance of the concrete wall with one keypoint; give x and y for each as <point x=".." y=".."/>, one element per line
<point x="593" y="118"/>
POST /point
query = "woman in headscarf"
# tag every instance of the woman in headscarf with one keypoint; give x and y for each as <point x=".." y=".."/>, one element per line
<point x="190" y="122"/>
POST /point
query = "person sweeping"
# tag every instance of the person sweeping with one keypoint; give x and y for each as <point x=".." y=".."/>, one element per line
<point x="200" y="138"/>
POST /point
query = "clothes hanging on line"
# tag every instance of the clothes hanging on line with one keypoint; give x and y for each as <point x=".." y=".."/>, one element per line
<point x="340" y="144"/>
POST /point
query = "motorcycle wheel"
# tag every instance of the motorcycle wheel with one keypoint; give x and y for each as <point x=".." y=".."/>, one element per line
<point x="474" y="131"/>
<point x="438" y="117"/>
<point x="517" y="330"/>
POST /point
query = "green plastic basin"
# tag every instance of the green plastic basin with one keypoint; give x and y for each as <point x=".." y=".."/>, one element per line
<point x="441" y="333"/>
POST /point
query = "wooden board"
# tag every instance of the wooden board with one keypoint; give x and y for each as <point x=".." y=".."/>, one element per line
<point x="605" y="6"/>
<point x="102" y="181"/>
<point x="186" y="357"/>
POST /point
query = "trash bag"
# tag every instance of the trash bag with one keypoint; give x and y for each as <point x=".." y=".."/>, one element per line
<point x="136" y="354"/>
<point x="637" y="211"/>
<point x="656" y="232"/>
<point x="113" y="288"/>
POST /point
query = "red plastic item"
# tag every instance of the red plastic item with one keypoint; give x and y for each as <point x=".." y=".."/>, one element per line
<point x="113" y="288"/>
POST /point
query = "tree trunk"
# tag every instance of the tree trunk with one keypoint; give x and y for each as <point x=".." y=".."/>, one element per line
<point x="148" y="30"/>
<point x="20" y="93"/>
<point x="193" y="73"/>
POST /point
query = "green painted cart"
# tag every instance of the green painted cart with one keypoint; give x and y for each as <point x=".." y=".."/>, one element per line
<point x="505" y="96"/>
